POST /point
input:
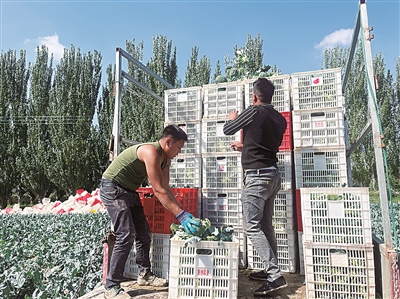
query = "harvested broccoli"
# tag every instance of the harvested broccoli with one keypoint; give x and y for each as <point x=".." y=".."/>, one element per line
<point x="206" y="232"/>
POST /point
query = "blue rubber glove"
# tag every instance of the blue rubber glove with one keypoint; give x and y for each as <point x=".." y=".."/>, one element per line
<point x="188" y="222"/>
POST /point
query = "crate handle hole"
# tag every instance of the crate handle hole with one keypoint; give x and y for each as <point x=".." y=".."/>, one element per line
<point x="203" y="251"/>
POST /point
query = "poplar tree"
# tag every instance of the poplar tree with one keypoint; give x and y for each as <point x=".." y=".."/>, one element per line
<point x="13" y="128"/>
<point x="72" y="104"/>
<point x="198" y="72"/>
<point x="34" y="155"/>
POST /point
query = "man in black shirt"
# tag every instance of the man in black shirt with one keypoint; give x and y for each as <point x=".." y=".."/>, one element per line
<point x="263" y="129"/>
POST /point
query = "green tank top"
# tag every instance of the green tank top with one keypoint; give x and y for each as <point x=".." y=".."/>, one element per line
<point x="127" y="170"/>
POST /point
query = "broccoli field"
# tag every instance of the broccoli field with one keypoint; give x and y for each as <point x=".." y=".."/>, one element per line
<point x="46" y="256"/>
<point x="376" y="220"/>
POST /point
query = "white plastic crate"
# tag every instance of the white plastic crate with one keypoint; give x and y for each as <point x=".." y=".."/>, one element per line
<point x="285" y="169"/>
<point x="283" y="211"/>
<point x="183" y="104"/>
<point x="281" y="98"/>
<point x="320" y="167"/>
<point x="213" y="139"/>
<point x="159" y="257"/>
<point x="319" y="127"/>
<point x="185" y="171"/>
<point x="286" y="253"/>
<point x="222" y="171"/>
<point x="222" y="98"/>
<point x="193" y="132"/>
<point x="338" y="272"/>
<point x="336" y="215"/>
<point x="223" y="206"/>
<point x="317" y="89"/>
<point x="206" y="269"/>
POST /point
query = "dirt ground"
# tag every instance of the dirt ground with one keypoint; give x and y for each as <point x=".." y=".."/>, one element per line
<point x="295" y="289"/>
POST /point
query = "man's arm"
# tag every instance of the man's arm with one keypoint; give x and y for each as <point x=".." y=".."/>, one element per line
<point x="159" y="178"/>
<point x="239" y="121"/>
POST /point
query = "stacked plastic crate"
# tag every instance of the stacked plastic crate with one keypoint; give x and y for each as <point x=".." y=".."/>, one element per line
<point x="183" y="107"/>
<point x="318" y="134"/>
<point x="222" y="168"/>
<point x="283" y="219"/>
<point x="337" y="238"/>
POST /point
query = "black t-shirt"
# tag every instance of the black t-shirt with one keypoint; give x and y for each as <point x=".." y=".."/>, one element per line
<point x="263" y="129"/>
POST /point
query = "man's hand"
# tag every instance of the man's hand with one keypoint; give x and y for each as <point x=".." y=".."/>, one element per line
<point x="188" y="222"/>
<point x="232" y="115"/>
<point x="237" y="146"/>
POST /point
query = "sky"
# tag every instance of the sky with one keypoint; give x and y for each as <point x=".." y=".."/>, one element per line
<point x="295" y="33"/>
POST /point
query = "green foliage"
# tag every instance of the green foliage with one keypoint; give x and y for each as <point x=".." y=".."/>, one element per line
<point x="33" y="162"/>
<point x="197" y="72"/>
<point x="248" y="62"/>
<point x="376" y="220"/>
<point x="46" y="256"/>
<point x="73" y="98"/>
<point x="13" y="127"/>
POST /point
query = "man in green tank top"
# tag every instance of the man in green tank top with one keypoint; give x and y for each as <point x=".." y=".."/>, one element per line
<point x="117" y="191"/>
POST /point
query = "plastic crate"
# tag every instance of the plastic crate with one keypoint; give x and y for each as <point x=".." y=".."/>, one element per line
<point x="283" y="211"/>
<point x="183" y="104"/>
<point x="223" y="206"/>
<point x="185" y="171"/>
<point x="319" y="128"/>
<point x="206" y="269"/>
<point x="317" y="89"/>
<point x="222" y="171"/>
<point x="193" y="132"/>
<point x="281" y="98"/>
<point x="159" y="257"/>
<point x="222" y="98"/>
<point x="321" y="167"/>
<point x="287" y="141"/>
<point x="286" y="253"/>
<point x="336" y="215"/>
<point x="285" y="169"/>
<point x="339" y="271"/>
<point x="213" y="139"/>
<point x="158" y="217"/>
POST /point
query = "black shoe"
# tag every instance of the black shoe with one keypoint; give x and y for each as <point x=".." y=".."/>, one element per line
<point x="261" y="275"/>
<point x="268" y="286"/>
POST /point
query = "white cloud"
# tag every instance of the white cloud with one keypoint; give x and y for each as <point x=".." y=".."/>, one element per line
<point x="340" y="37"/>
<point x="52" y="43"/>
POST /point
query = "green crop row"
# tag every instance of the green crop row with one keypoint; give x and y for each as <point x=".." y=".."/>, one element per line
<point x="376" y="221"/>
<point x="47" y="256"/>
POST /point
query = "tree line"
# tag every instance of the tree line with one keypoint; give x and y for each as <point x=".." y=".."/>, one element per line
<point x="56" y="119"/>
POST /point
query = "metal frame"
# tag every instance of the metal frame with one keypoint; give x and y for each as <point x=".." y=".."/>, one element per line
<point x="388" y="257"/>
<point x="120" y="75"/>
<point x="361" y="28"/>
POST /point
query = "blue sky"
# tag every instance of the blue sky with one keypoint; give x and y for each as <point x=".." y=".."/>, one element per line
<point x="294" y="33"/>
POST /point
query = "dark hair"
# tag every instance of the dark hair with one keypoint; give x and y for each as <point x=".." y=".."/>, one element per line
<point x="175" y="132"/>
<point x="264" y="90"/>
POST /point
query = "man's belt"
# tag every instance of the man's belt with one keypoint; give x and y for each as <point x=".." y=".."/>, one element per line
<point x="261" y="170"/>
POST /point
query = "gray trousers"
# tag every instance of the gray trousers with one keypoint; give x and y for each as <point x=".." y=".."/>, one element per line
<point x="130" y="224"/>
<point x="258" y="196"/>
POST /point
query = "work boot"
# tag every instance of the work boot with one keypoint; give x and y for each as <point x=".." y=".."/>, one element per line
<point x="260" y="275"/>
<point x="116" y="292"/>
<point x="270" y="286"/>
<point x="150" y="279"/>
